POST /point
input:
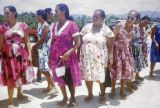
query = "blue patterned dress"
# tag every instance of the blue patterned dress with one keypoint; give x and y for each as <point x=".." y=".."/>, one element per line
<point x="43" y="50"/>
<point x="155" y="53"/>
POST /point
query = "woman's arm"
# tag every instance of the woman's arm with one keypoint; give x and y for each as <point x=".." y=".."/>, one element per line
<point x="154" y="30"/>
<point x="45" y="32"/>
<point x="77" y="44"/>
<point x="1" y="41"/>
<point x="28" y="47"/>
<point x="110" y="41"/>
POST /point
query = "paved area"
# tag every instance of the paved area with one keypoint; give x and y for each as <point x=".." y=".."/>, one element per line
<point x="147" y="95"/>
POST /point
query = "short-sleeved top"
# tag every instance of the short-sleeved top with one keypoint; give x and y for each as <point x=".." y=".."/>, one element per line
<point x="97" y="40"/>
<point x="63" y="38"/>
<point x="105" y="30"/>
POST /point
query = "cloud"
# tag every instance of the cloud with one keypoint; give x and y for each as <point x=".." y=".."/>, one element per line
<point x="84" y="6"/>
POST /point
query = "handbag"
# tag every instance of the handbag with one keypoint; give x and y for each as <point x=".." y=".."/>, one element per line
<point x="68" y="76"/>
<point x="64" y="72"/>
<point x="60" y="71"/>
<point x="29" y="74"/>
<point x="35" y="59"/>
<point x="107" y="82"/>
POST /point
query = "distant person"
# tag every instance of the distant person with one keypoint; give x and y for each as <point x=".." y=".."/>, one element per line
<point x="65" y="41"/>
<point x="145" y="50"/>
<point x="95" y="53"/>
<point x="138" y="47"/>
<point x="155" y="48"/>
<point x="16" y="54"/>
<point x="42" y="46"/>
<point x="49" y="14"/>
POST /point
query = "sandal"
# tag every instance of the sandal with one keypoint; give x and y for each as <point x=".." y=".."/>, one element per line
<point x="102" y="97"/>
<point x="122" y="95"/>
<point x="71" y="102"/>
<point x="63" y="101"/>
<point x="151" y="75"/>
<point x="134" y="86"/>
<point x="129" y="88"/>
<point x="112" y="95"/>
<point x="46" y="90"/>
<point x="52" y="91"/>
<point x="139" y="78"/>
<point x="88" y="98"/>
<point x="21" y="96"/>
<point x="11" y="106"/>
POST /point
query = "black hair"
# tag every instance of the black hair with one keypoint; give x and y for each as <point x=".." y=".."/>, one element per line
<point x="48" y="10"/>
<point x="102" y="13"/>
<point x="12" y="9"/>
<point x="146" y="17"/>
<point x="42" y="13"/>
<point x="64" y="7"/>
<point x="71" y="18"/>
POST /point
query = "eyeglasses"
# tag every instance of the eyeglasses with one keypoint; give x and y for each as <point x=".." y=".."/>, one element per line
<point x="96" y="16"/>
<point x="131" y="18"/>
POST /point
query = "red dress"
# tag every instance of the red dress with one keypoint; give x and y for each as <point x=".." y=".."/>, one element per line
<point x="14" y="55"/>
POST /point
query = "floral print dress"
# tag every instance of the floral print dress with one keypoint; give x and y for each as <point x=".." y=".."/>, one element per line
<point x="14" y="55"/>
<point x="94" y="53"/>
<point x="123" y="62"/>
<point x="43" y="50"/>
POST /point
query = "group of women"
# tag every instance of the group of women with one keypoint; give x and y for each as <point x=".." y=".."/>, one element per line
<point x="85" y="54"/>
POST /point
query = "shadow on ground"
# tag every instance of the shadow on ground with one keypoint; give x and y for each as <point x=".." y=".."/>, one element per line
<point x="3" y="103"/>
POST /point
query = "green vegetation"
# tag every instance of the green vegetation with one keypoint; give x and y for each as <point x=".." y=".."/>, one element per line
<point x="81" y="20"/>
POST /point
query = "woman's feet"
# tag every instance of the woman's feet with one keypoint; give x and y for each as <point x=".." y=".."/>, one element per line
<point x="151" y="74"/>
<point x="11" y="106"/>
<point x="112" y="95"/>
<point x="88" y="98"/>
<point x="133" y="86"/>
<point x="102" y="97"/>
<point x="63" y="101"/>
<point x="46" y="90"/>
<point x="71" y="102"/>
<point x="139" y="78"/>
<point x="122" y="95"/>
<point x="129" y="88"/>
<point x="52" y="91"/>
<point x="21" y="96"/>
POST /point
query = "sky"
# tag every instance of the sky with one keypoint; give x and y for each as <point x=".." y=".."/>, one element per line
<point x="86" y="7"/>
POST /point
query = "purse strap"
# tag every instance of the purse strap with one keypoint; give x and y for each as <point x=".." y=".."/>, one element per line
<point x="60" y="62"/>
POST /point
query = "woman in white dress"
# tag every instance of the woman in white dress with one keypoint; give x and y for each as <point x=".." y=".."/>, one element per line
<point x="95" y="52"/>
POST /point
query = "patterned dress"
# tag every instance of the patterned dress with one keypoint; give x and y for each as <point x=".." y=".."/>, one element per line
<point x="145" y="50"/>
<point x="14" y="55"/>
<point x="94" y="53"/>
<point x="63" y="42"/>
<point x="43" y="50"/>
<point x="155" y="53"/>
<point x="137" y="50"/>
<point x="122" y="58"/>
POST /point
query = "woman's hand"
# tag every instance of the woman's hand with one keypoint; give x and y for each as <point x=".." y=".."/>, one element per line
<point x="110" y="63"/>
<point x="34" y="50"/>
<point x="66" y="55"/>
<point x="157" y="45"/>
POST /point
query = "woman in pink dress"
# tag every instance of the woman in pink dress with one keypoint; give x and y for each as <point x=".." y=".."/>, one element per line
<point x="122" y="68"/>
<point x="65" y="41"/>
<point x="16" y="53"/>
